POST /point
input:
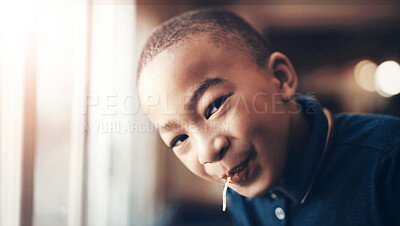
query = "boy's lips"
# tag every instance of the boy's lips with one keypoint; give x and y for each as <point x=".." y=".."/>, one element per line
<point x="239" y="173"/>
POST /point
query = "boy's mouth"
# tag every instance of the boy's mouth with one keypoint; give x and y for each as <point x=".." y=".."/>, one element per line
<point x="239" y="173"/>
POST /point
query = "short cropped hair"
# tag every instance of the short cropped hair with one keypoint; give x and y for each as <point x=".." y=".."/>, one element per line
<point x="224" y="28"/>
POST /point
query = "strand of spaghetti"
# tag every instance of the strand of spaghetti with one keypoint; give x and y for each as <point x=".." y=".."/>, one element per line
<point x="224" y="193"/>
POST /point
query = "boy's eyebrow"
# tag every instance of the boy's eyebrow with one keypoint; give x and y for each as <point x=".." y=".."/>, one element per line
<point x="169" y="126"/>
<point x="201" y="88"/>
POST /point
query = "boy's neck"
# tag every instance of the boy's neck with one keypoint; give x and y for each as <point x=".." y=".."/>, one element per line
<point x="299" y="137"/>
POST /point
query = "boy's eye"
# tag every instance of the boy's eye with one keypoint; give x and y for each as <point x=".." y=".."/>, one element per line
<point x="214" y="106"/>
<point x="178" y="140"/>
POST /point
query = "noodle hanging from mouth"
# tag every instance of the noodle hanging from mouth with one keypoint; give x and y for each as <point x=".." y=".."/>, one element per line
<point x="224" y="193"/>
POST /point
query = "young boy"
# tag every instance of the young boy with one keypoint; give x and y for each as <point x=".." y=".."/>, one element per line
<point x="225" y="105"/>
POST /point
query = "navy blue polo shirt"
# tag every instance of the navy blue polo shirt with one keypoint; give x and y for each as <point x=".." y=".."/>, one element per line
<point x="356" y="182"/>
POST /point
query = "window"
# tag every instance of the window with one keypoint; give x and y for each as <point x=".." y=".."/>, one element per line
<point x="75" y="144"/>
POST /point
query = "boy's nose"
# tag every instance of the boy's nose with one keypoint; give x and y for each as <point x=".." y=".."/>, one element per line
<point x="214" y="150"/>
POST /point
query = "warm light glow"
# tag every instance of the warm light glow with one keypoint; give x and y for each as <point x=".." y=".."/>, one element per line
<point x="364" y="74"/>
<point x="387" y="78"/>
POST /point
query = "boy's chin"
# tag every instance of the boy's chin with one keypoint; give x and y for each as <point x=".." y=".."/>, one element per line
<point x="252" y="191"/>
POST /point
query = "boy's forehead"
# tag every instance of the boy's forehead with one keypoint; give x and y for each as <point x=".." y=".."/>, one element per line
<point x="173" y="72"/>
<point x="166" y="82"/>
<point x="180" y="67"/>
<point x="170" y="77"/>
<point x="190" y="60"/>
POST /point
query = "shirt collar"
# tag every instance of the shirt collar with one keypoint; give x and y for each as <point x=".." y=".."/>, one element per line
<point x="299" y="180"/>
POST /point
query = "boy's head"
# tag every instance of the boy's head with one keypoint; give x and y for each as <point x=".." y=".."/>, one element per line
<point x="220" y="99"/>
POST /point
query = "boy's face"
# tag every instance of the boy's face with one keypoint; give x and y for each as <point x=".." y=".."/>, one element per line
<point x="235" y="126"/>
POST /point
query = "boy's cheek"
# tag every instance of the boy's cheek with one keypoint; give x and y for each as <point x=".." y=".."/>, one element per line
<point x="191" y="162"/>
<point x="252" y="119"/>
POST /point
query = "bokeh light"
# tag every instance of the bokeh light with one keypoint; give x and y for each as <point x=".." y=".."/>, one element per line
<point x="387" y="78"/>
<point x="364" y="74"/>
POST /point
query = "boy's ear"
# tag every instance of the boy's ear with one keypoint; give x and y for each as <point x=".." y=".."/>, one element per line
<point x="284" y="74"/>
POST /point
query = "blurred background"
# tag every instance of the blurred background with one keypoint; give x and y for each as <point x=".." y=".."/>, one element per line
<point x="77" y="148"/>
